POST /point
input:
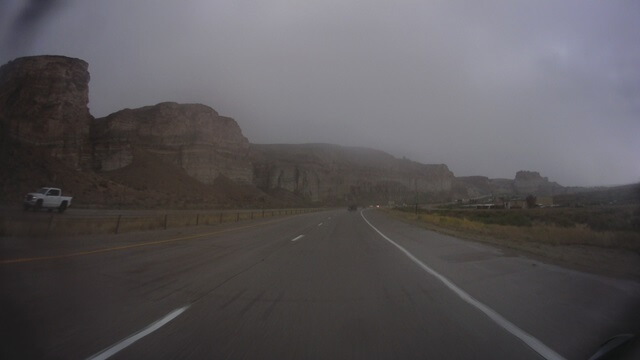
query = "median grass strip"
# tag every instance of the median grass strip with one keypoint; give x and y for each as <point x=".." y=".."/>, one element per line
<point x="138" y="245"/>
<point x="604" y="240"/>
<point x="53" y="224"/>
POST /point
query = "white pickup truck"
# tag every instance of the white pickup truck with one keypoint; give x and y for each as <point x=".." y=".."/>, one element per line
<point x="47" y="198"/>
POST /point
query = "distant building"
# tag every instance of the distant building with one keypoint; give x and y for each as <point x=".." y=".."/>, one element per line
<point x="544" y="201"/>
<point x="541" y="201"/>
<point x="515" y="204"/>
<point x="485" y="206"/>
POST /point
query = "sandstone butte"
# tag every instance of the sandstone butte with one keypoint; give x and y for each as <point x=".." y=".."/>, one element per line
<point x="44" y="110"/>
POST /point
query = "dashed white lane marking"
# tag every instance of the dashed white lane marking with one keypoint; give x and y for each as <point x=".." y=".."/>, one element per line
<point x="114" y="349"/>
<point x="297" y="238"/>
<point x="528" y="339"/>
<point x="320" y="224"/>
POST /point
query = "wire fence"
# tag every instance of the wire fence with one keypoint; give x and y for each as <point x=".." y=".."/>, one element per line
<point x="43" y="223"/>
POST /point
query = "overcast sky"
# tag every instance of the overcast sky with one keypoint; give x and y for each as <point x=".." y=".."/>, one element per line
<point x="486" y="87"/>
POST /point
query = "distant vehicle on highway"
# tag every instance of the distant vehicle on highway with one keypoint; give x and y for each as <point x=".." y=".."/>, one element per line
<point x="353" y="207"/>
<point x="47" y="198"/>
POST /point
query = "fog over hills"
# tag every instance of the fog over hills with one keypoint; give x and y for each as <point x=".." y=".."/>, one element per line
<point x="172" y="154"/>
<point x="487" y="88"/>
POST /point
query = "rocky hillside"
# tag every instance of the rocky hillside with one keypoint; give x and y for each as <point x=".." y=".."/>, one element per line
<point x="530" y="182"/>
<point x="334" y="174"/>
<point x="524" y="183"/>
<point x="182" y="155"/>
<point x="190" y="136"/>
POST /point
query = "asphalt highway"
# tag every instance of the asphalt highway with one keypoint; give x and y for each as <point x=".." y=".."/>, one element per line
<point x="328" y="285"/>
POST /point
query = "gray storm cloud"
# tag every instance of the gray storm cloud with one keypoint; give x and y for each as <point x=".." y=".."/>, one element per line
<point x="23" y="18"/>
<point x="34" y="11"/>
<point x="489" y="88"/>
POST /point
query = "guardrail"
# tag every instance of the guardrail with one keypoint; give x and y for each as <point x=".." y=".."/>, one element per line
<point x="44" y="224"/>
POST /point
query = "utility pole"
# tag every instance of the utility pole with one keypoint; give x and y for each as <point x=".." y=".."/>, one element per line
<point x="415" y="185"/>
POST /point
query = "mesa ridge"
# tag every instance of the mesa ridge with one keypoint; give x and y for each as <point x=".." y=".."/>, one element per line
<point x="44" y="115"/>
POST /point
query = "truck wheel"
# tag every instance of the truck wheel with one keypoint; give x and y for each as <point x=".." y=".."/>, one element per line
<point x="25" y="207"/>
<point x="62" y="207"/>
<point x="38" y="205"/>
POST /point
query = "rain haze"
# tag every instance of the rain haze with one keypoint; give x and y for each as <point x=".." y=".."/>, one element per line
<point x="487" y="88"/>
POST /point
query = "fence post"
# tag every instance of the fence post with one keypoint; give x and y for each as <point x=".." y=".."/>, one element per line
<point x="220" y="218"/>
<point x="197" y="219"/>
<point x="50" y="223"/>
<point x="262" y="212"/>
<point x="252" y="215"/>
<point x="237" y="217"/>
<point x="165" y="221"/>
<point x="118" y="223"/>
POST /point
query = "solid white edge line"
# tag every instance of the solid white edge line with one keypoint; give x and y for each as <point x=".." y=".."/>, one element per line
<point x="528" y="339"/>
<point x="114" y="349"/>
<point x="297" y="238"/>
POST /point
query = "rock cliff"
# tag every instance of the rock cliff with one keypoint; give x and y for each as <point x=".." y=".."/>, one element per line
<point x="530" y="182"/>
<point x="525" y="183"/>
<point x="335" y="174"/>
<point x="191" y="136"/>
<point x="43" y="103"/>
<point x="44" y="113"/>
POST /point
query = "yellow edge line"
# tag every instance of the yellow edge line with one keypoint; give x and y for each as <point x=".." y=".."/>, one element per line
<point x="82" y="253"/>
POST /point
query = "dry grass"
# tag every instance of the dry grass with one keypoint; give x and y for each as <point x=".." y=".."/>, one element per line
<point x="56" y="224"/>
<point x="540" y="233"/>
<point x="615" y="253"/>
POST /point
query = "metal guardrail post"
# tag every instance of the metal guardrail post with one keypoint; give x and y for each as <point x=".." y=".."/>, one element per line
<point x="50" y="223"/>
<point x="118" y="223"/>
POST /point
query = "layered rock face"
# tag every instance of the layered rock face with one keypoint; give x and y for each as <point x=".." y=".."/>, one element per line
<point x="331" y="173"/>
<point x="192" y="136"/>
<point x="525" y="183"/>
<point x="530" y="182"/>
<point x="43" y="102"/>
<point x="477" y="186"/>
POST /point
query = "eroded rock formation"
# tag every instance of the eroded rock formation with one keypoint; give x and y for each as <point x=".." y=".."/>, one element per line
<point x="530" y="182"/>
<point x="331" y="173"/>
<point x="191" y="136"/>
<point x="43" y="102"/>
<point x="43" y="105"/>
